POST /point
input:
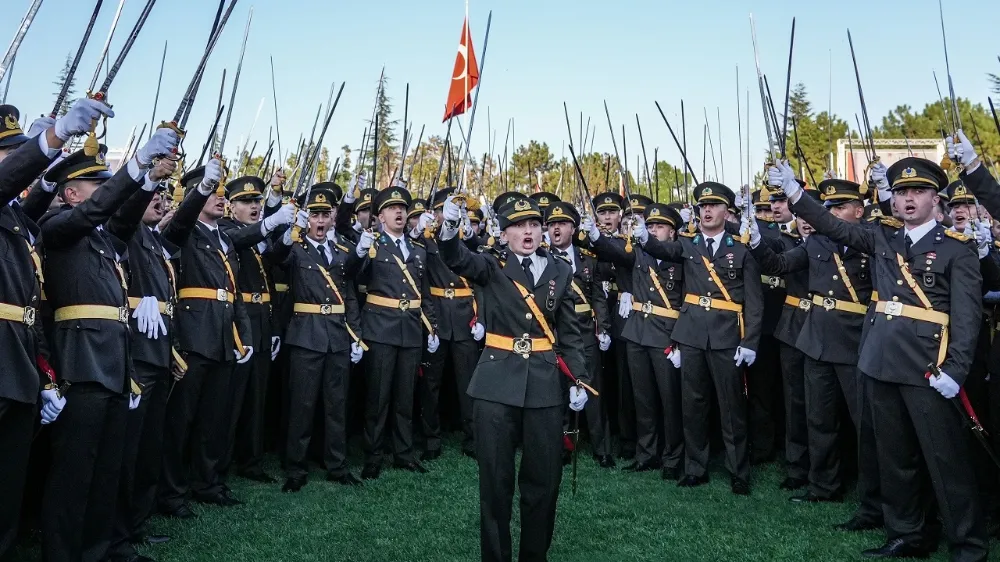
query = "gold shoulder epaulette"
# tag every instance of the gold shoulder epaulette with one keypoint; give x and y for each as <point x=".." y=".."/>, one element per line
<point x="956" y="235"/>
<point x="587" y="253"/>
<point x="687" y="234"/>
<point x="996" y="243"/>
<point x="343" y="248"/>
<point x="891" y="222"/>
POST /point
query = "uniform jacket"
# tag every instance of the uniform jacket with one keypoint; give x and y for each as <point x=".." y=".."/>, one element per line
<point x="796" y="285"/>
<point x="252" y="280"/>
<point x="596" y="320"/>
<point x="506" y="377"/>
<point x="946" y="268"/>
<point x="384" y="278"/>
<point x="739" y="274"/>
<point x="456" y="314"/>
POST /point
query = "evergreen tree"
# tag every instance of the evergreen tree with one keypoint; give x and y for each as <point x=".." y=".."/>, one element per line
<point x="63" y="74"/>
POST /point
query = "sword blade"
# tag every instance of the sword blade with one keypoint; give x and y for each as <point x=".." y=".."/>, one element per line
<point x="64" y="90"/>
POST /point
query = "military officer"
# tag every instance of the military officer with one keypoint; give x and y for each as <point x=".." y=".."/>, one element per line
<point x="653" y="363"/>
<point x="397" y="309"/>
<point x="922" y="274"/>
<point x="417" y="208"/>
<point x="544" y="199"/>
<point x="87" y="288"/>
<point x="518" y="392"/>
<point x="718" y="332"/>
<point x="324" y="335"/>
<point x="248" y="392"/>
<point x="356" y="206"/>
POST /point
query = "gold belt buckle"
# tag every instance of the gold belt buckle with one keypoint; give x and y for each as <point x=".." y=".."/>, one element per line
<point x="449" y="293"/>
<point x="29" y="316"/>
<point x="647" y="308"/>
<point x="256" y="298"/>
<point x="168" y="309"/>
<point x="123" y="314"/>
<point x="326" y="309"/>
<point x="705" y="302"/>
<point x="221" y="295"/>
<point x="404" y="304"/>
<point x="522" y="346"/>
<point x="894" y="308"/>
<point x="829" y="304"/>
<point x="805" y="304"/>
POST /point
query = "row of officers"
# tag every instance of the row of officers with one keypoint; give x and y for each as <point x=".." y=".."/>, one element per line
<point x="143" y="331"/>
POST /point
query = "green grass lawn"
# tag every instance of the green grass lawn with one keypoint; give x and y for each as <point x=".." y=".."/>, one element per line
<point x="435" y="517"/>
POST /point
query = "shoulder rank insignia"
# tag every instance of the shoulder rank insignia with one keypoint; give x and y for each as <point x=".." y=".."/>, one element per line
<point x="891" y="222"/>
<point x="587" y="253"/>
<point x="687" y="234"/>
<point x="956" y="235"/>
<point x="996" y="243"/>
<point x="343" y="248"/>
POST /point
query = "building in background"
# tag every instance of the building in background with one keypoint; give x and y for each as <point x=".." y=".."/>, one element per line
<point x="852" y="164"/>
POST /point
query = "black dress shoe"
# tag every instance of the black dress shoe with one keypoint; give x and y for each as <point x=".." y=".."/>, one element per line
<point x="670" y="473"/>
<point x="346" y="479"/>
<point x="413" y="466"/>
<point x="762" y="458"/>
<point x="897" y="548"/>
<point x="293" y="485"/>
<point x="810" y="497"/>
<point x="430" y="455"/>
<point x="144" y="540"/>
<point x="792" y="484"/>
<point x="605" y="461"/>
<point x="857" y="524"/>
<point x="692" y="481"/>
<point x="182" y="511"/>
<point x="261" y="477"/>
<point x="641" y="466"/>
<point x="469" y="453"/>
<point x="220" y="499"/>
<point x="567" y="457"/>
<point x="740" y="487"/>
<point x="371" y="471"/>
<point x="230" y="498"/>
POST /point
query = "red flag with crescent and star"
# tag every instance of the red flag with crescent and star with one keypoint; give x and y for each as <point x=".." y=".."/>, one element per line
<point x="464" y="78"/>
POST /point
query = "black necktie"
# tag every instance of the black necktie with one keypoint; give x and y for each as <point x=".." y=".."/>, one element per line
<point x="322" y="254"/>
<point x="710" y="242"/>
<point x="399" y="246"/>
<point x="907" y="243"/>
<point x="218" y="238"/>
<point x="526" y="264"/>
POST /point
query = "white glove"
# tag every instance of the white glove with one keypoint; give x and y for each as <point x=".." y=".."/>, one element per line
<point x="945" y="385"/>
<point x="349" y="194"/>
<point x="213" y="175"/>
<point x="748" y="224"/>
<point x="52" y="404"/>
<point x="275" y="347"/>
<point x="789" y="184"/>
<point x="577" y="398"/>
<point x="744" y="356"/>
<point x="247" y="354"/>
<point x="77" y="120"/>
<point x="686" y="215"/>
<point x="639" y="231"/>
<point x="164" y="141"/>
<point x="357" y="226"/>
<point x="879" y="172"/>
<point x="40" y="125"/>
<point x="424" y="220"/>
<point x="495" y="231"/>
<point x="546" y="239"/>
<point x="433" y="343"/>
<point x="133" y="401"/>
<point x="284" y="215"/>
<point x="774" y="178"/>
<point x="738" y="202"/>
<point x="478" y="332"/>
<point x="356" y="352"/>
<point x="364" y="243"/>
<point x="302" y="219"/>
<point x="675" y="357"/>
<point x="148" y="318"/>
<point x="587" y="225"/>
<point x="451" y="212"/>
<point x="603" y="341"/>
<point x="467" y="231"/>
<point x="963" y="152"/>
<point x="624" y="304"/>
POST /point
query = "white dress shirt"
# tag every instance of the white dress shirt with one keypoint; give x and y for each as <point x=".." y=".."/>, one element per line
<point x="402" y="245"/>
<point x="919" y="232"/>
<point x="538" y="264"/>
<point x="717" y="241"/>
<point x="212" y="232"/>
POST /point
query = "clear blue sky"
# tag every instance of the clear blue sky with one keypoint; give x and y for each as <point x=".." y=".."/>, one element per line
<point x="541" y="53"/>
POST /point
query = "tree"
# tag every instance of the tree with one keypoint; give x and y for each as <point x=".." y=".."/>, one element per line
<point x="995" y="83"/>
<point x="385" y="145"/>
<point x="63" y="75"/>
<point x="527" y="161"/>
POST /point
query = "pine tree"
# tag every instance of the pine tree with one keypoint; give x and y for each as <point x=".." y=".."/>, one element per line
<point x="386" y="142"/>
<point x="63" y="74"/>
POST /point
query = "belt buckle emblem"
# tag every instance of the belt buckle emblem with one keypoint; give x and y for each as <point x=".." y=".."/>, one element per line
<point x="894" y="308"/>
<point x="449" y="293"/>
<point x="705" y="302"/>
<point x="325" y="309"/>
<point x="221" y="295"/>
<point x="647" y="308"/>
<point x="404" y="304"/>
<point x="805" y="304"/>
<point x="168" y="309"/>
<point x="522" y="346"/>
<point x="256" y="298"/>
<point x="123" y="315"/>
<point x="774" y="282"/>
<point x="29" y="316"/>
<point x="829" y="304"/>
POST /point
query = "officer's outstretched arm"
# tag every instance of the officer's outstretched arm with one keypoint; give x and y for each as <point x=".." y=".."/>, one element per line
<point x="185" y="218"/>
<point x="670" y="251"/>
<point x="65" y="228"/>
<point x="856" y="236"/>
<point x="985" y="187"/>
<point x="612" y="250"/>
<point x="244" y="237"/>
<point x="753" y="304"/>
<point x="20" y="168"/>
<point x="477" y="268"/>
<point x="780" y="263"/>
<point x="38" y="201"/>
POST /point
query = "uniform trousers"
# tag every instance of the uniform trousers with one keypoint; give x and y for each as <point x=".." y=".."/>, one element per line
<point x="316" y="376"/>
<point x="763" y="392"/>
<point x="657" y="385"/>
<point x="825" y="384"/>
<point x="500" y="429"/>
<point x="462" y="355"/>
<point x="626" y="400"/>
<point x="793" y="376"/>
<point x="391" y="377"/>
<point x="248" y="395"/>
<point x="17" y="425"/>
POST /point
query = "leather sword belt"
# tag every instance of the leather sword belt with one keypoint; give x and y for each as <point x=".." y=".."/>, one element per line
<point x="583" y="309"/>
<point x="523" y="346"/>
<point x="401" y="304"/>
<point x="710" y="303"/>
<point x="650" y="308"/>
<point x="166" y="308"/>
<point x="324" y="309"/>
<point x="451" y="293"/>
<point x="772" y="282"/>
<point x="834" y="304"/>
<point x="92" y="312"/>
<point x="23" y="314"/>
<point x="891" y="309"/>
<point x="220" y="295"/>
<point x="256" y="298"/>
<point x="281" y="287"/>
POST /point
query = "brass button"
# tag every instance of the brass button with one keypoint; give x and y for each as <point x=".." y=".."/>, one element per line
<point x="831" y="293"/>
<point x="17" y="229"/>
<point x="101" y="252"/>
<point x="936" y="336"/>
<point x="451" y="284"/>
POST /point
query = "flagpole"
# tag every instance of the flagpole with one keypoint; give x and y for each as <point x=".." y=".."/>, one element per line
<point x="465" y="101"/>
<point x="475" y="101"/>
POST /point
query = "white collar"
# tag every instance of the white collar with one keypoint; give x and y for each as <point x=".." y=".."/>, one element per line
<point x="919" y="232"/>
<point x="208" y="226"/>
<point x="314" y="243"/>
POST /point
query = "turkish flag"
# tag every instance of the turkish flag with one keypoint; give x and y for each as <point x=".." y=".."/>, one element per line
<point x="464" y="78"/>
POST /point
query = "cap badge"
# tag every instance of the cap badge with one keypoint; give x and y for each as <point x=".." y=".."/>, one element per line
<point x="100" y="160"/>
<point x="321" y="198"/>
<point x="543" y="200"/>
<point x="635" y="202"/>
<point x="830" y="190"/>
<point x="10" y="122"/>
<point x="909" y="173"/>
<point x="396" y="194"/>
<point x="608" y="200"/>
<point x="522" y="205"/>
<point x="707" y="191"/>
<point x="654" y="213"/>
<point x="557" y="212"/>
<point x="960" y="190"/>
